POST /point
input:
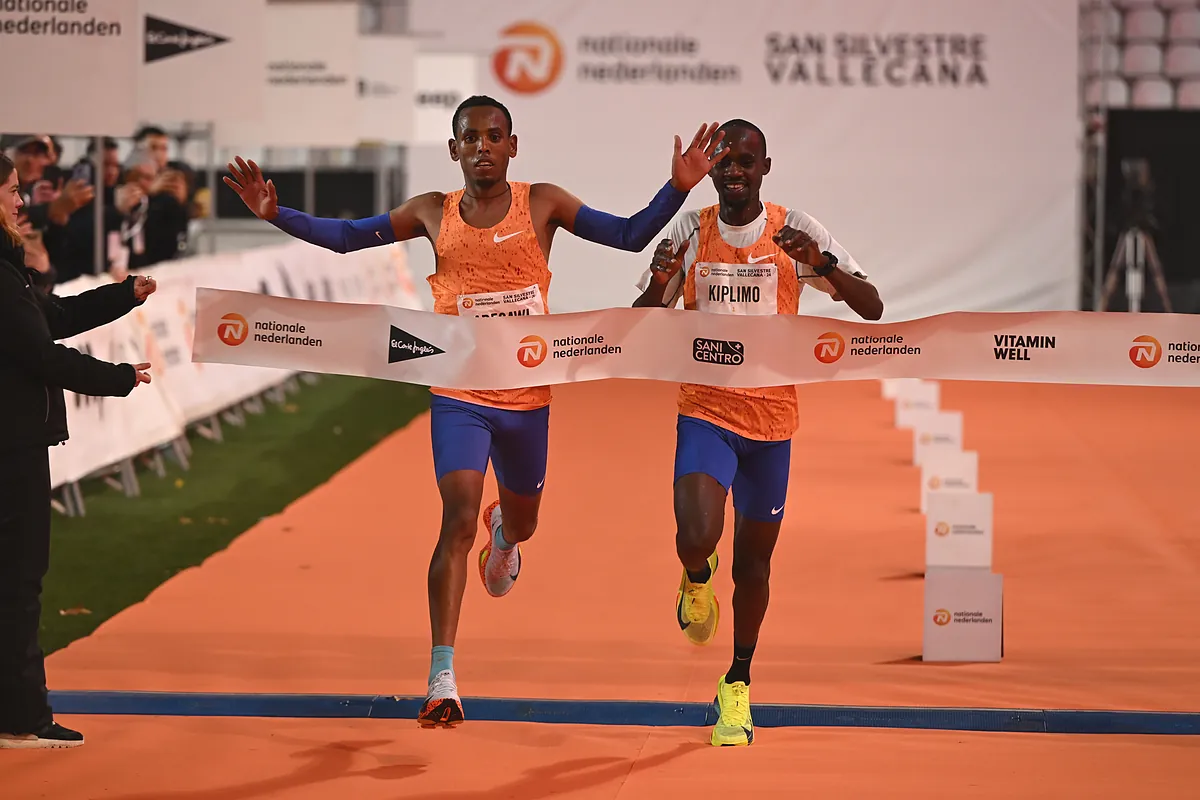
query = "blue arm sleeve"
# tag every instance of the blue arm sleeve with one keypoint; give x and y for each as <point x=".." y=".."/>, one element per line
<point x="338" y="235"/>
<point x="634" y="233"/>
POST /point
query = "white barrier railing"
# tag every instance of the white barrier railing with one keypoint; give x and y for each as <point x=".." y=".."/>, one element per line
<point x="107" y="431"/>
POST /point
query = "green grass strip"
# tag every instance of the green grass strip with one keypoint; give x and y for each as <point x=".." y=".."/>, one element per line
<point x="124" y="548"/>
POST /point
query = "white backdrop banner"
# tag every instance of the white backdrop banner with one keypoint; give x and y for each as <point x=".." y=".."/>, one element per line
<point x="203" y="61"/>
<point x="311" y="81"/>
<point x="73" y="66"/>
<point x="386" y="83"/>
<point x="443" y="80"/>
<point x="105" y="430"/>
<point x="936" y="140"/>
<point x="421" y="347"/>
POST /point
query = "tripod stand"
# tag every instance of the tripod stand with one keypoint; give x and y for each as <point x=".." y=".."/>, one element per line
<point x="1135" y="250"/>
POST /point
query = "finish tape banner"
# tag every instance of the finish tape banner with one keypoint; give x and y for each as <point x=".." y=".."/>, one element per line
<point x="420" y="347"/>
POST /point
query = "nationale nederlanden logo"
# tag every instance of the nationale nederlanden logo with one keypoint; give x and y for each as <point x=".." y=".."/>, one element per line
<point x="830" y="347"/>
<point x="233" y="329"/>
<point x="1146" y="352"/>
<point x="942" y="529"/>
<point x="529" y="58"/>
<point x="532" y="351"/>
<point x="941" y="617"/>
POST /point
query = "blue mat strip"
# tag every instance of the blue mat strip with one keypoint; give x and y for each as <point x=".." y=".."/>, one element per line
<point x="628" y="712"/>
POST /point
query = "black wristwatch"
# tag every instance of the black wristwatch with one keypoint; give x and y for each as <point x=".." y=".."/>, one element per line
<point x="831" y="263"/>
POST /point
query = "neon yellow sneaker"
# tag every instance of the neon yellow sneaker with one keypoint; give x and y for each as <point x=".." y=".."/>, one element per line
<point x="696" y="607"/>
<point x="735" y="725"/>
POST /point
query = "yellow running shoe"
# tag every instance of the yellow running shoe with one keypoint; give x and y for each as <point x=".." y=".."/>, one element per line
<point x="735" y="725"/>
<point x="696" y="607"/>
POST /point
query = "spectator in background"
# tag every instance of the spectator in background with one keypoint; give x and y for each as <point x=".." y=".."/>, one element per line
<point x="148" y="205"/>
<point x="51" y="203"/>
<point x="156" y="142"/>
<point x="194" y="205"/>
<point x="37" y="257"/>
<point x="77" y="256"/>
<point x="156" y="229"/>
<point x="34" y="370"/>
<point x="32" y="155"/>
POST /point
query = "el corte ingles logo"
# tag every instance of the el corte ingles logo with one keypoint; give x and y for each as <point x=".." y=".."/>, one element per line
<point x="165" y="39"/>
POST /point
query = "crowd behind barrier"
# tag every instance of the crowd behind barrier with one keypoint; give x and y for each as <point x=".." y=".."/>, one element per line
<point x="149" y="204"/>
<point x="106" y="432"/>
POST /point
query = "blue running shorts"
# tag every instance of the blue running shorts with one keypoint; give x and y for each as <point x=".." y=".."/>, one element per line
<point x="757" y="471"/>
<point x="467" y="436"/>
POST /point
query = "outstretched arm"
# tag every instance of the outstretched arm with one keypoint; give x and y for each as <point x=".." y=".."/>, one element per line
<point x="623" y="233"/>
<point x="634" y="233"/>
<point x="338" y="235"/>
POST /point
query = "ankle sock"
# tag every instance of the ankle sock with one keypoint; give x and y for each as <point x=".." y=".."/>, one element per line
<point x="700" y="577"/>
<point x="443" y="659"/>
<point x="498" y="540"/>
<point x="739" y="670"/>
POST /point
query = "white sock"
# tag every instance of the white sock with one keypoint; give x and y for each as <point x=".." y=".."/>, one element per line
<point x="498" y="540"/>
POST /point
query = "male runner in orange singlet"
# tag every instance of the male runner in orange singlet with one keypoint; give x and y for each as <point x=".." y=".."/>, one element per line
<point x="492" y="240"/>
<point x="741" y="256"/>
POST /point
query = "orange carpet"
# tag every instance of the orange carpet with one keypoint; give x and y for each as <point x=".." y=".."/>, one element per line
<point x="1095" y="535"/>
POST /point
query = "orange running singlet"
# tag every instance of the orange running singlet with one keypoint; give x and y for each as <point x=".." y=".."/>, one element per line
<point x="486" y="272"/>
<point x="754" y="280"/>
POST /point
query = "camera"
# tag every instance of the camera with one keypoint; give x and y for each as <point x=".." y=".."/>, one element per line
<point x="1137" y="194"/>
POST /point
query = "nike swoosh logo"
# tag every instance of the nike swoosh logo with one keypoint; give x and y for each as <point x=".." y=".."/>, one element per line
<point x="497" y="238"/>
<point x="761" y="258"/>
<point x="543" y="480"/>
<point x="775" y="511"/>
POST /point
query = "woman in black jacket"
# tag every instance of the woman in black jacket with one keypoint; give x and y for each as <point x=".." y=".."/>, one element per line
<point x="34" y="371"/>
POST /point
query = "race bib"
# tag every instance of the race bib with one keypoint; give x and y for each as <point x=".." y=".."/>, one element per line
<point x="745" y="289"/>
<point x="517" y="303"/>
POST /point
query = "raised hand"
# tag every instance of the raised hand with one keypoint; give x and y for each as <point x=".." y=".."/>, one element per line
<point x="689" y="167"/>
<point x="800" y="246"/>
<point x="66" y="200"/>
<point x="127" y="197"/>
<point x="36" y="256"/>
<point x="666" y="262"/>
<point x="257" y="193"/>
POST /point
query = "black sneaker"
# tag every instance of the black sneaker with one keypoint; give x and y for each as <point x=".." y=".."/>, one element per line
<point x="53" y="736"/>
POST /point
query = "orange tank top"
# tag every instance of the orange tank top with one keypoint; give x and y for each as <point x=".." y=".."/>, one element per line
<point x="755" y="280"/>
<point x="488" y="272"/>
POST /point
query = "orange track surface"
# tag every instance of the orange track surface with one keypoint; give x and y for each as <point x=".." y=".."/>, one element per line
<point x="144" y="758"/>
<point x="1096" y="536"/>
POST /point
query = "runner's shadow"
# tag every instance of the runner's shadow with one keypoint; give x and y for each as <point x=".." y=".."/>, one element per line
<point x="905" y="576"/>
<point x="920" y="660"/>
<point x="326" y="763"/>
<point x="902" y="661"/>
<point x="551" y="780"/>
